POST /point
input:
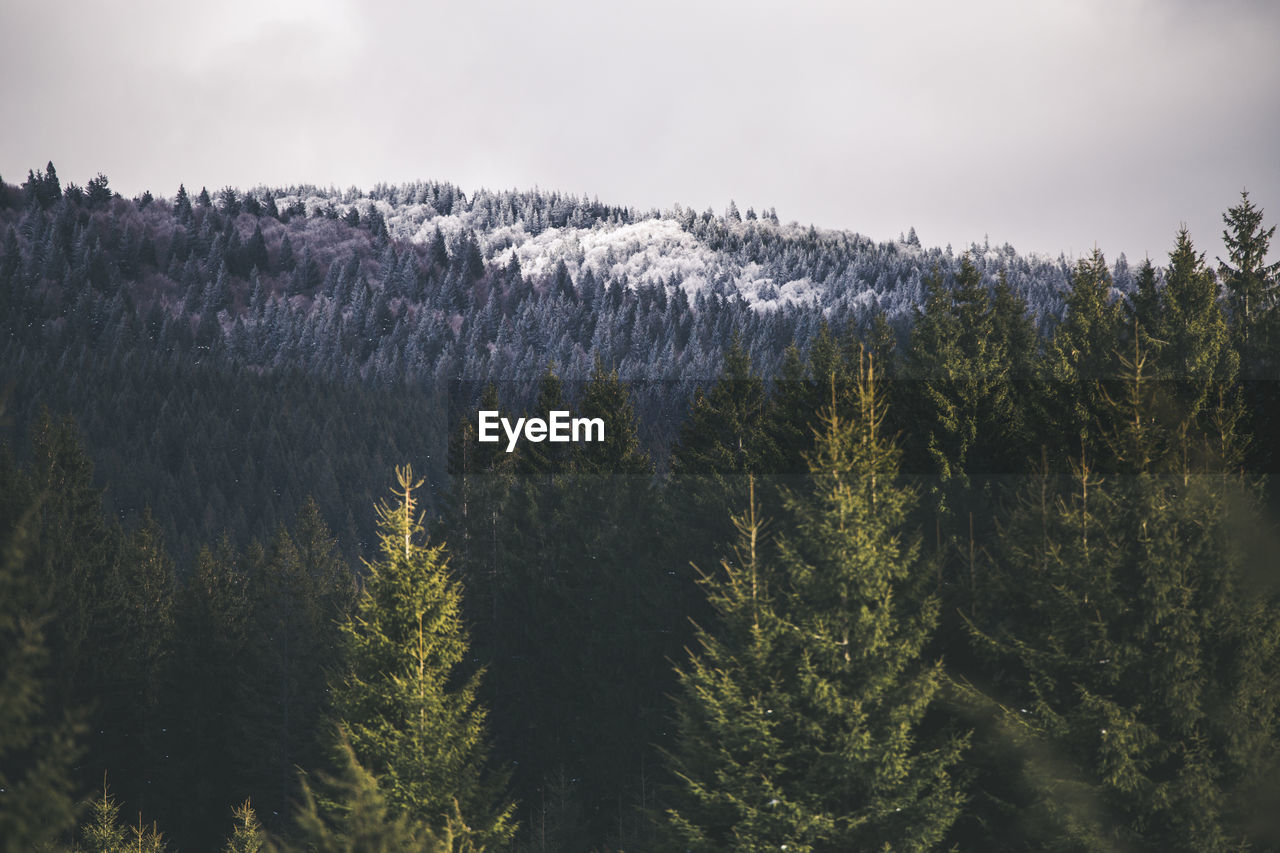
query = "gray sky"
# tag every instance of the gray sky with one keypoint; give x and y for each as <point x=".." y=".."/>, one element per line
<point x="1053" y="125"/>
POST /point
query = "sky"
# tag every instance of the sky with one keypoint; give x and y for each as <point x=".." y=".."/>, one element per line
<point x="1056" y="126"/>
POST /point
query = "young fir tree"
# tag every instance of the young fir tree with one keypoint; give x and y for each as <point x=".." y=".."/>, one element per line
<point x="248" y="835"/>
<point x="103" y="833"/>
<point x="406" y="702"/>
<point x="801" y="726"/>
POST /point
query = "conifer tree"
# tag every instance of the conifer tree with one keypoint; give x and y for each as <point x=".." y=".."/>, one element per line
<point x="103" y="833"/>
<point x="1197" y="353"/>
<point x="732" y="712"/>
<point x="827" y="723"/>
<point x="1249" y="280"/>
<point x="1251" y="284"/>
<point x="214" y="707"/>
<point x="1120" y="595"/>
<point x="248" y="835"/>
<point x="1144" y="307"/>
<point x="406" y="701"/>
<point x="728" y="437"/>
<point x="961" y="356"/>
<point x="861" y="622"/>
<point x="1080" y="357"/>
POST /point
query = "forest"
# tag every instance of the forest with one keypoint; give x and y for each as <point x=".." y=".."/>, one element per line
<point x="887" y="547"/>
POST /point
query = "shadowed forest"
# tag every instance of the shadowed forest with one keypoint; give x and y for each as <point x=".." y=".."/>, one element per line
<point x="887" y="546"/>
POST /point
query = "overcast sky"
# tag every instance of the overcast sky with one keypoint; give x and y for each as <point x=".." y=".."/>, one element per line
<point x="1052" y="125"/>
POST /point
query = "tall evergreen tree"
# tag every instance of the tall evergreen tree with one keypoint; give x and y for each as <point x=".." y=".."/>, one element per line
<point x="1197" y="353"/>
<point x="830" y="729"/>
<point x="1249" y="280"/>
<point x="1080" y="358"/>
<point x="406" y="700"/>
<point x="733" y="710"/>
<point x="1120" y="595"/>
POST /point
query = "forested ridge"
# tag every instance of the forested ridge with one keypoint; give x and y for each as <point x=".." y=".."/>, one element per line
<point x="887" y="547"/>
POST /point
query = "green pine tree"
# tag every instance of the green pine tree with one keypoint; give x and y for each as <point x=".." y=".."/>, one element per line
<point x="1080" y="358"/>
<point x="103" y="833"/>
<point x="734" y="714"/>
<point x="1249" y="280"/>
<point x="1197" y="354"/>
<point x="1131" y="656"/>
<point x="248" y="835"/>
<point x="861" y="623"/>
<point x="406" y="699"/>
<point x="800" y="725"/>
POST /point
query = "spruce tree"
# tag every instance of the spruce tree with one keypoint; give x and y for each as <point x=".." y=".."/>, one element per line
<point x="818" y="688"/>
<point x="103" y="833"/>
<point x="406" y="700"/>
<point x="861" y="622"/>
<point x="1132" y="654"/>
<point x="1197" y="354"/>
<point x="248" y="835"/>
<point x="1249" y="280"/>
<point x="1080" y="358"/>
<point x="732" y="711"/>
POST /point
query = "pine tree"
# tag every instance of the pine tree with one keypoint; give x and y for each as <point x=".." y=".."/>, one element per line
<point x="821" y="698"/>
<point x="861" y="623"/>
<point x="1081" y="357"/>
<point x="1120" y="596"/>
<point x="1197" y="353"/>
<point x="103" y="832"/>
<point x="248" y="835"/>
<point x="1249" y="280"/>
<point x="729" y="436"/>
<point x="1251" y="284"/>
<point x="182" y="205"/>
<point x="215" y="703"/>
<point x="961" y="356"/>
<point x="406" y="701"/>
<point x="732" y="711"/>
